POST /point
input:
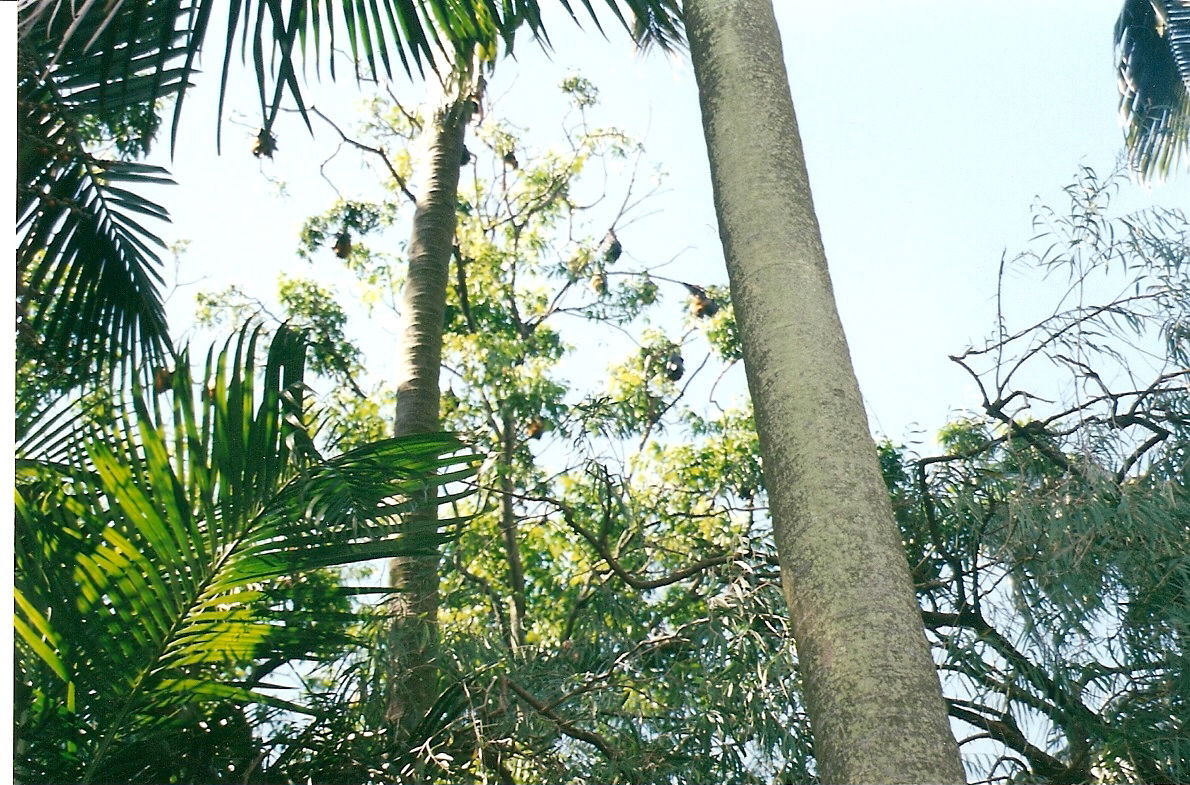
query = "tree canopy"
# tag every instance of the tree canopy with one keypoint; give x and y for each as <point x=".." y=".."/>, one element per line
<point x="198" y="533"/>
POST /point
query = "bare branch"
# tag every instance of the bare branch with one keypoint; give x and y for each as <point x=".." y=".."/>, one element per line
<point x="374" y="150"/>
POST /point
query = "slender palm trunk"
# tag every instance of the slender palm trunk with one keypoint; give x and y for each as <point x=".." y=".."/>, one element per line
<point x="508" y="527"/>
<point x="414" y="580"/>
<point x="871" y="689"/>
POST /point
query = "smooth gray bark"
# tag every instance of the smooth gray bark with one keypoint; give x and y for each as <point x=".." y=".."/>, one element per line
<point x="871" y="689"/>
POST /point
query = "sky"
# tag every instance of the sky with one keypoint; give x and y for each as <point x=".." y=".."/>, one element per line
<point x="930" y="130"/>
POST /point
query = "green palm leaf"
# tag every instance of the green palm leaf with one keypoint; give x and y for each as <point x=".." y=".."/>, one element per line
<point x="1153" y="45"/>
<point x="87" y="268"/>
<point x="87" y="271"/>
<point x="86" y="259"/>
<point x="115" y="39"/>
<point x="152" y="568"/>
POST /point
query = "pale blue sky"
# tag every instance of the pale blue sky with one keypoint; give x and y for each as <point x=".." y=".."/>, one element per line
<point x="929" y="129"/>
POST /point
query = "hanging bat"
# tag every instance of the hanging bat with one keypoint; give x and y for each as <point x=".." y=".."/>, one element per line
<point x="264" y="145"/>
<point x="701" y="305"/>
<point x="675" y="366"/>
<point x="163" y="380"/>
<point x="342" y="246"/>
<point x="611" y="247"/>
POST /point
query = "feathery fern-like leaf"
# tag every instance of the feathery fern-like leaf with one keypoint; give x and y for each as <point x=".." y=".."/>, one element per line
<point x="87" y="270"/>
<point x="151" y="568"/>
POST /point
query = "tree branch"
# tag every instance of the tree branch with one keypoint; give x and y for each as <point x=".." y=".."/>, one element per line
<point x="1006" y="731"/>
<point x="571" y="730"/>
<point x="374" y="150"/>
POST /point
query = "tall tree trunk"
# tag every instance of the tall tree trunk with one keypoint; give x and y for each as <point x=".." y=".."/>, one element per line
<point x="871" y="689"/>
<point x="508" y="527"/>
<point x="414" y="580"/>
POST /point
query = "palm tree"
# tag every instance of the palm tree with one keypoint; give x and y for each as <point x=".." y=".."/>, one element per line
<point x="157" y="557"/>
<point x="414" y="579"/>
<point x="1153" y="47"/>
<point x="92" y="53"/>
<point x="873" y="694"/>
<point x="88" y="283"/>
<point x="87" y="272"/>
<point x="871" y="689"/>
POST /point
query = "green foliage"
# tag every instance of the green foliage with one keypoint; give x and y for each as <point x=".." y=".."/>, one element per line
<point x="356" y="218"/>
<point x="150" y="49"/>
<point x="613" y="612"/>
<point x="581" y="91"/>
<point x="171" y="557"/>
<point x="1153" y="52"/>
<point x="88" y="279"/>
<point x="625" y="632"/>
<point x="130" y="129"/>
<point x="1048" y="540"/>
<point x="312" y="308"/>
<point x="721" y="330"/>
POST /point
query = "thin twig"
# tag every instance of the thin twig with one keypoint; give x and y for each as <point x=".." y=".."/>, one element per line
<point x="368" y="148"/>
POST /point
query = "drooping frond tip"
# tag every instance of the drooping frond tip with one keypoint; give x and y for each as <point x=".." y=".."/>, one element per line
<point x="658" y="23"/>
<point x="1152" y="39"/>
<point x="649" y="22"/>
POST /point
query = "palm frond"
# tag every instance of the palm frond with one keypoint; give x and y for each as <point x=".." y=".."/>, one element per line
<point x="85" y="257"/>
<point x="1153" y="47"/>
<point x="117" y="37"/>
<point x="86" y="265"/>
<point x="87" y="261"/>
<point x="148" y="567"/>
